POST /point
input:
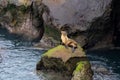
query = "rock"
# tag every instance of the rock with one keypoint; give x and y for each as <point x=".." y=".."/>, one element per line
<point x="17" y="2"/>
<point x="61" y="59"/>
<point x="46" y="43"/>
<point x="87" y="19"/>
<point x="24" y="20"/>
<point x="82" y="71"/>
<point x="78" y="13"/>
<point x="101" y="69"/>
<point x="116" y="22"/>
<point x="50" y="39"/>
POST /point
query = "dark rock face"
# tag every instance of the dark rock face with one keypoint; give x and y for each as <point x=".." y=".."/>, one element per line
<point x="100" y="33"/>
<point x="115" y="16"/>
<point x="24" y="20"/>
<point x="62" y="60"/>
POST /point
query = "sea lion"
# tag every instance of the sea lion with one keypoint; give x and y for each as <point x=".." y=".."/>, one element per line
<point x="67" y="41"/>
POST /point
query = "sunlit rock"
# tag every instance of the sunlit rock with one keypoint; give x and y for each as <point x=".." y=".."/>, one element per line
<point x="61" y="59"/>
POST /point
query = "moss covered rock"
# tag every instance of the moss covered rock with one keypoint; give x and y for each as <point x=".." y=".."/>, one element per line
<point x="83" y="71"/>
<point x="61" y="59"/>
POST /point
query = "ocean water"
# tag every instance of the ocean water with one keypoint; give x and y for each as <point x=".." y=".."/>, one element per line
<point x="18" y="61"/>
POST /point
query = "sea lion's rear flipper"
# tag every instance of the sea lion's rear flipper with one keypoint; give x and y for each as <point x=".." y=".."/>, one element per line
<point x="73" y="49"/>
<point x="66" y="46"/>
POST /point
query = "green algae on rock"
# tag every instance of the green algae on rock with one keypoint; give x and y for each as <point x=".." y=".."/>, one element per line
<point x="83" y="71"/>
<point x="64" y="53"/>
<point x="61" y="59"/>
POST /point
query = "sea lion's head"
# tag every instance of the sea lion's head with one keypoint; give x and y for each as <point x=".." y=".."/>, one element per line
<point x="64" y="32"/>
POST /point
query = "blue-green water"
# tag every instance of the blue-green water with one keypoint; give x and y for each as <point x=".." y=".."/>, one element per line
<point x="108" y="61"/>
<point x="18" y="61"/>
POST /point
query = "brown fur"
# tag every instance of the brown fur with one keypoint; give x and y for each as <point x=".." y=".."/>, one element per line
<point x="67" y="41"/>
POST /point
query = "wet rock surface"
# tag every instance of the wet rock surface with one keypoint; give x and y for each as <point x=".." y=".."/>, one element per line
<point x="62" y="60"/>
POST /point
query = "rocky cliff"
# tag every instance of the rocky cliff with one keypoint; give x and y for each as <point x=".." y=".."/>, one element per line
<point x="86" y="20"/>
<point x="92" y="23"/>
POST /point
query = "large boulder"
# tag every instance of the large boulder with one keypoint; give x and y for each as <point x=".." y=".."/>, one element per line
<point x="24" y="20"/>
<point x="61" y="59"/>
